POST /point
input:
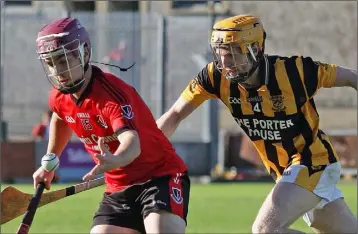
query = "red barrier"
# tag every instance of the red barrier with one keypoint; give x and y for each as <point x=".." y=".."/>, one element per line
<point x="17" y="160"/>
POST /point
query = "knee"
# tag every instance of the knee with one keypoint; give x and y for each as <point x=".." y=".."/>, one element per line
<point x="164" y="222"/>
<point x="261" y="227"/>
<point x="96" y="230"/>
<point x="324" y="222"/>
<point x="103" y="229"/>
<point x="333" y="227"/>
<point x="257" y="228"/>
<point x="267" y="227"/>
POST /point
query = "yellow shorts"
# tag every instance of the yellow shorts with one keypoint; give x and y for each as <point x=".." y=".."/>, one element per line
<point x="321" y="180"/>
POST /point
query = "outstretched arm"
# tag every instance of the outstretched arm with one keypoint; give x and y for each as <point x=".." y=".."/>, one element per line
<point x="169" y="121"/>
<point x="346" y="77"/>
<point x="197" y="91"/>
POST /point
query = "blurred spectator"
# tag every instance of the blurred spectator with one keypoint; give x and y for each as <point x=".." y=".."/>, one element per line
<point x="41" y="130"/>
<point x="115" y="57"/>
<point x="242" y="153"/>
<point x="346" y="148"/>
<point x="249" y="153"/>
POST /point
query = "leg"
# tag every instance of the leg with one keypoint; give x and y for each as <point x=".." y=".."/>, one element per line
<point x="165" y="204"/>
<point x="118" y="214"/>
<point x="335" y="217"/>
<point x="164" y="222"/>
<point x="299" y="190"/>
<point x="104" y="229"/>
<point x="284" y="205"/>
<point x="332" y="215"/>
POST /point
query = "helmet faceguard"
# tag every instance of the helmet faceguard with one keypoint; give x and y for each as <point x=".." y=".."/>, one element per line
<point x="61" y="50"/>
<point x="58" y="66"/>
<point x="237" y="44"/>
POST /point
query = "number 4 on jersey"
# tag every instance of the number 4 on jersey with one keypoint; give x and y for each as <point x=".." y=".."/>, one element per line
<point x="257" y="107"/>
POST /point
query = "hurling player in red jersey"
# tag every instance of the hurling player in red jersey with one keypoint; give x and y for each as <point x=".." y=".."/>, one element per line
<point x="147" y="186"/>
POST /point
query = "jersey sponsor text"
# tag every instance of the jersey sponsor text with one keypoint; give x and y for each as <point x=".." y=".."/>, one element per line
<point x="265" y="129"/>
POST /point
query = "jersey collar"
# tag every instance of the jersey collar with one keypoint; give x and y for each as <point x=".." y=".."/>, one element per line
<point x="88" y="89"/>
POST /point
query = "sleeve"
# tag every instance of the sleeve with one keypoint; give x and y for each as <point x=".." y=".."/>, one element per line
<point x="201" y="87"/>
<point x="121" y="116"/>
<point x="318" y="75"/>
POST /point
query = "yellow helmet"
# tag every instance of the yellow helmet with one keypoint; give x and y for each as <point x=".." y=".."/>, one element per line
<point x="241" y="28"/>
<point x="239" y="33"/>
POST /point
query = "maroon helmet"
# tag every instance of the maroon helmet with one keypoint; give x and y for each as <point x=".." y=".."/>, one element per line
<point x="58" y="41"/>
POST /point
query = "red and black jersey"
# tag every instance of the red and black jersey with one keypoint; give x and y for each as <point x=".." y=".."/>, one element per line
<point x="106" y="107"/>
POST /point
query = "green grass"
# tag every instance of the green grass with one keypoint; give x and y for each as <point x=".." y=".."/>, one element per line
<point x="214" y="208"/>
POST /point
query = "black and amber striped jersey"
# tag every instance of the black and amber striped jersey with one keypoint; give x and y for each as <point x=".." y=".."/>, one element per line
<point x="280" y="116"/>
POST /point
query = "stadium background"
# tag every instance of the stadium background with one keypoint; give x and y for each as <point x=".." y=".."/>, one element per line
<point x="169" y="42"/>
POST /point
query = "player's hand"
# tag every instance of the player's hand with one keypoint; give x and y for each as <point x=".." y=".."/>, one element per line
<point x="106" y="161"/>
<point x="41" y="175"/>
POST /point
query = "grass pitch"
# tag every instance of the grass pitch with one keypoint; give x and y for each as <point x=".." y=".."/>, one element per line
<point x="214" y="208"/>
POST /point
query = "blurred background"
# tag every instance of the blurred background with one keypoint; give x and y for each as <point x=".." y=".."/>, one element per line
<point x="168" y="40"/>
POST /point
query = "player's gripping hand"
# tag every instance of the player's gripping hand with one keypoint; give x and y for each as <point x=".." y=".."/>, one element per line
<point x="106" y="161"/>
<point x="41" y="175"/>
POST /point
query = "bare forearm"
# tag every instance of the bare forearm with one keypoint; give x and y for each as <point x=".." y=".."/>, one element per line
<point x="352" y="81"/>
<point x="59" y="136"/>
<point x="128" y="150"/>
<point x="346" y="77"/>
<point x="168" y="124"/>
<point x="170" y="121"/>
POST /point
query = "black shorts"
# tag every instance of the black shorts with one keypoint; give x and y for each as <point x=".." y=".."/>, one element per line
<point x="128" y="207"/>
